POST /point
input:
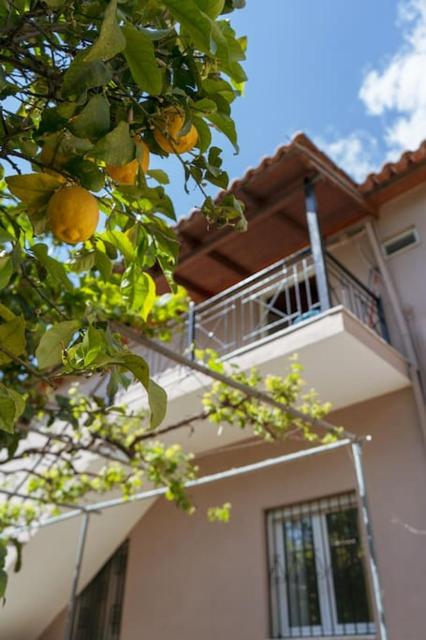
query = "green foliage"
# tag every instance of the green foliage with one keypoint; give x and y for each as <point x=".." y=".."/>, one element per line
<point x="140" y="56"/>
<point x="226" y="405"/>
<point x="54" y="342"/>
<point x="81" y="82"/>
<point x="219" y="514"/>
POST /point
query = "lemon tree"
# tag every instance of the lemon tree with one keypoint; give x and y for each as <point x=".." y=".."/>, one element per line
<point x="91" y="92"/>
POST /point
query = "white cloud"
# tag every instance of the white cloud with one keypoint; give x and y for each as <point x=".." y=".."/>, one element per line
<point x="399" y="89"/>
<point x="394" y="91"/>
<point x="356" y="153"/>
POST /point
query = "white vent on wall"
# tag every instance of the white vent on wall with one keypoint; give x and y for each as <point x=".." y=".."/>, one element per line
<point x="401" y="242"/>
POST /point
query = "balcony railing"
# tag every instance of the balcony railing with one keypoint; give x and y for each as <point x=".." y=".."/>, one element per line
<point x="270" y="301"/>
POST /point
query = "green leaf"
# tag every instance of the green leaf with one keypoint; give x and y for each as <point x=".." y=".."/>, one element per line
<point x="53" y="267"/>
<point x="195" y="22"/>
<point x="157" y="397"/>
<point x="93" y="121"/>
<point x="138" y="290"/>
<point x="34" y="189"/>
<point x="140" y="56"/>
<point x="3" y="582"/>
<point x="91" y="176"/>
<point x="204" y="135"/>
<point x="104" y="264"/>
<point x="53" y="342"/>
<point x="6" y="270"/>
<point x="136" y="365"/>
<point x="111" y="41"/>
<point x="83" y="262"/>
<point x="81" y="76"/>
<point x="93" y="345"/>
<point x="225" y="124"/>
<point x="117" y="147"/>
<point x="11" y="407"/>
<point x="157" y="403"/>
<point x="6" y="313"/>
<point x="205" y="106"/>
<point x="159" y="175"/>
<point x="19" y="402"/>
<point x="12" y="338"/>
<point x="122" y="243"/>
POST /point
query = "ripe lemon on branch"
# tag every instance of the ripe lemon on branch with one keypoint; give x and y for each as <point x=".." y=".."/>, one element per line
<point x="168" y="132"/>
<point x="126" y="173"/>
<point x="73" y="214"/>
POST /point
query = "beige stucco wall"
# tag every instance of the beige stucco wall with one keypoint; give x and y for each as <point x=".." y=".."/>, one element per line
<point x="191" y="579"/>
<point x="409" y="267"/>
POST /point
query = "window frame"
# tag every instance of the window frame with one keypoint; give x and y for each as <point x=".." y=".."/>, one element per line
<point x="278" y="602"/>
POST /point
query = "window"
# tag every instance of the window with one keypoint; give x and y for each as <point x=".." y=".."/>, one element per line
<point x="99" y="605"/>
<point x="316" y="572"/>
<point x="401" y="242"/>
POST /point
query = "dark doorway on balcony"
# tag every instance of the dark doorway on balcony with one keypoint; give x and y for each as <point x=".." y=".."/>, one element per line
<point x="292" y="304"/>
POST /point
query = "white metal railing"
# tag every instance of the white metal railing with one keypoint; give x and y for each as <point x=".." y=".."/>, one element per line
<point x="278" y="297"/>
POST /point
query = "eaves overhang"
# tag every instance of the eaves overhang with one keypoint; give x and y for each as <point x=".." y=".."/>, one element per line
<point x="273" y="193"/>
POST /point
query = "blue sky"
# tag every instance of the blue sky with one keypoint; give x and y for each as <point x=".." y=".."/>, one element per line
<point x="352" y="75"/>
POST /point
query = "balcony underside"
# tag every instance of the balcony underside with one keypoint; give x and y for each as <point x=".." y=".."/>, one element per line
<point x="345" y="361"/>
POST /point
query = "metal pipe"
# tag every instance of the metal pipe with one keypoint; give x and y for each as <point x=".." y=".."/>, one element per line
<point x="221" y="475"/>
<point x="69" y="626"/>
<point x="191" y="330"/>
<point x="317" y="247"/>
<point x="392" y="293"/>
<point x="25" y="496"/>
<point x="246" y="389"/>
<point x="413" y="365"/>
<point x="368" y="535"/>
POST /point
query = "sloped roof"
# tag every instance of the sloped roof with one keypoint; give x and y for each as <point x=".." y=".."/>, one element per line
<point x="395" y="178"/>
<point x="273" y="192"/>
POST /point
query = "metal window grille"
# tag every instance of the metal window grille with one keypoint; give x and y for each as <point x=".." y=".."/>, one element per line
<point x="316" y="571"/>
<point x="99" y="605"/>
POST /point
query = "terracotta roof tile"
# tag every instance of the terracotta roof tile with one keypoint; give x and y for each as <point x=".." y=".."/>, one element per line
<point x="408" y="161"/>
<point x="300" y="143"/>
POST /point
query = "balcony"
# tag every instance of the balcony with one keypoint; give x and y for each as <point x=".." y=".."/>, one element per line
<point x="277" y="298"/>
<point x="269" y="316"/>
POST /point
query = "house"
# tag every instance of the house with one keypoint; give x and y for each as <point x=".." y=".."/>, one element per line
<point x="332" y="271"/>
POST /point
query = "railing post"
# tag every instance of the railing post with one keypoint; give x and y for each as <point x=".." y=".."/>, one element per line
<point x="191" y="331"/>
<point x="317" y="245"/>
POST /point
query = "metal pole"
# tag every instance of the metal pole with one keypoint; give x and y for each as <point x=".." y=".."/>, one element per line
<point x="410" y="352"/>
<point x="203" y="480"/>
<point x="191" y="330"/>
<point x="316" y="245"/>
<point x="69" y="627"/>
<point x="368" y="534"/>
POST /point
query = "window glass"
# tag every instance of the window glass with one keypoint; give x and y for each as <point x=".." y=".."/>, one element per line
<point x="99" y="605"/>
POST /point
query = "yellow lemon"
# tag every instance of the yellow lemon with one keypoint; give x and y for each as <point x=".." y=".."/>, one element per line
<point x="168" y="136"/>
<point x="126" y="173"/>
<point x="73" y="214"/>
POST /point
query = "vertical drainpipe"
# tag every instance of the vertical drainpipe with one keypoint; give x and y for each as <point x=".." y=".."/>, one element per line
<point x="410" y="352"/>
<point x="316" y="242"/>
<point x="70" y="621"/>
